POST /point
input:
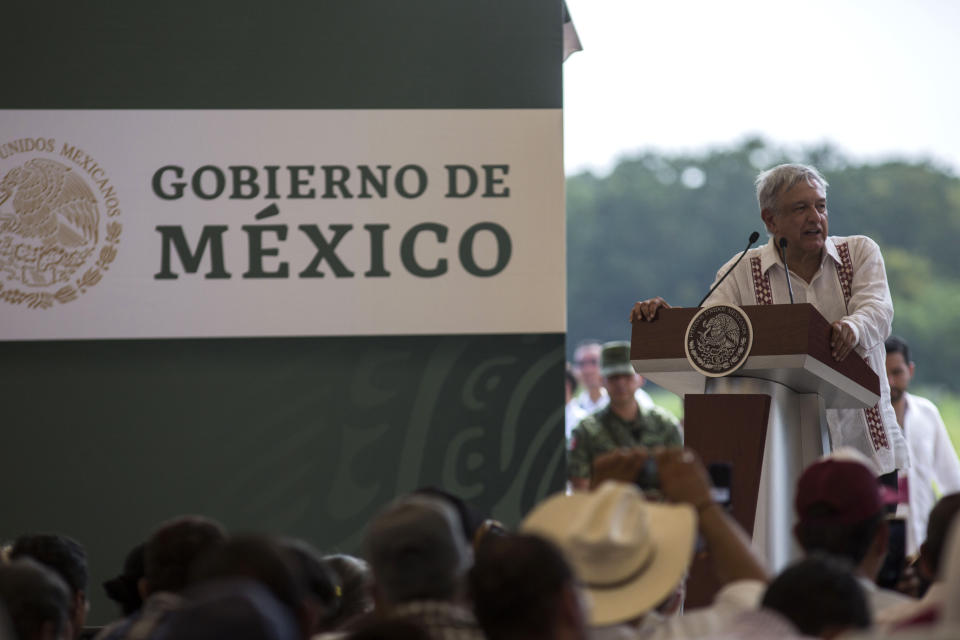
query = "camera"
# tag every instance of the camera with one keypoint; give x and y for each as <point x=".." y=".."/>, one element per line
<point x="648" y="480"/>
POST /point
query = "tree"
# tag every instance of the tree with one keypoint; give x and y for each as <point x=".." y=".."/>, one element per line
<point x="661" y="224"/>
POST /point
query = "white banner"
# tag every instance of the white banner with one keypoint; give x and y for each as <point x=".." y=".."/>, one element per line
<point x="152" y="224"/>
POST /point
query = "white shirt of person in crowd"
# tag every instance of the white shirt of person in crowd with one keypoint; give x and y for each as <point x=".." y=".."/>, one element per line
<point x="866" y="308"/>
<point x="933" y="461"/>
<point x="731" y="601"/>
<point x="574" y="413"/>
<point x="588" y="405"/>
<point x="759" y="624"/>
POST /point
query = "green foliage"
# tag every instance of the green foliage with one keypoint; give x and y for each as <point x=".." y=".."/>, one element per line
<point x="666" y="399"/>
<point x="662" y="224"/>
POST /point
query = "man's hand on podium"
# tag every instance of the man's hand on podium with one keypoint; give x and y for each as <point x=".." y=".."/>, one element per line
<point x="842" y="340"/>
<point x="647" y="309"/>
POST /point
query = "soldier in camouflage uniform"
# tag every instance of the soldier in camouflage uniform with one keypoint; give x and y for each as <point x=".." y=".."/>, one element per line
<point x="622" y="423"/>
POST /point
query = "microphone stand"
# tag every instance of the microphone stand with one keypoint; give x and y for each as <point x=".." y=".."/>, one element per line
<point x="783" y="256"/>
<point x="753" y="238"/>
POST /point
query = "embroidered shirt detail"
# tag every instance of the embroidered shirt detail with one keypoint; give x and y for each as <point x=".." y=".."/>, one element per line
<point x="875" y="425"/>
<point x="761" y="283"/>
<point x="845" y="271"/>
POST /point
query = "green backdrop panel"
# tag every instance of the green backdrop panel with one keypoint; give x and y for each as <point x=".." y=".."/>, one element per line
<point x="102" y="440"/>
<point x="245" y="54"/>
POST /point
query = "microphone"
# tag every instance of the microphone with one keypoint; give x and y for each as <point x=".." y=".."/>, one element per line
<point x="783" y="256"/>
<point x="753" y="238"/>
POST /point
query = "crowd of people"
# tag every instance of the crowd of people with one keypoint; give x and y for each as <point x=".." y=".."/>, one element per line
<point x="608" y="561"/>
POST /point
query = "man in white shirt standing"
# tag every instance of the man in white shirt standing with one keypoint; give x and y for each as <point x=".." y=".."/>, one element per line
<point x="842" y="277"/>
<point x="933" y="460"/>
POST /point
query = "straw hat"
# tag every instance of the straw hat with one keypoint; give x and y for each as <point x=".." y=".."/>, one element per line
<point x="629" y="554"/>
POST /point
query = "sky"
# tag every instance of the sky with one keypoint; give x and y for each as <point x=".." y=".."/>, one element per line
<point x="877" y="78"/>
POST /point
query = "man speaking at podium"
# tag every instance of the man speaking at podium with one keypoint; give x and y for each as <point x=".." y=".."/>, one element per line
<point x="843" y="277"/>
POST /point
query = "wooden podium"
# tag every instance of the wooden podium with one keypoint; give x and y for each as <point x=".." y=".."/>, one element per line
<point x="766" y="420"/>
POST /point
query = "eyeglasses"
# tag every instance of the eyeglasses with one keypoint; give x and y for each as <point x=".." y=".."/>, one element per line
<point x="586" y="361"/>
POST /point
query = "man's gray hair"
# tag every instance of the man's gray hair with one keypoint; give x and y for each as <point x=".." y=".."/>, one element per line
<point x="772" y="182"/>
<point x="417" y="550"/>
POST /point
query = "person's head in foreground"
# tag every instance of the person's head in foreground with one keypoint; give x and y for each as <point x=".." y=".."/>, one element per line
<point x="262" y="559"/>
<point x="234" y="609"/>
<point x="820" y="597"/>
<point x="323" y="591"/>
<point x="417" y="551"/>
<point x="124" y="589"/>
<point x="68" y="559"/>
<point x="840" y="512"/>
<point x="522" y="587"/>
<point x="629" y="554"/>
<point x="173" y="549"/>
<point x="36" y="599"/>
<point x="354" y="598"/>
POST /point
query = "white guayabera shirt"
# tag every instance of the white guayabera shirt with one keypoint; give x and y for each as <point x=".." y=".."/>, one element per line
<point x="933" y="460"/>
<point x="850" y="286"/>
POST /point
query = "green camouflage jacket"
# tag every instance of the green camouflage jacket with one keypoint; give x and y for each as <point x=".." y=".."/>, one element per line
<point x="604" y="431"/>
